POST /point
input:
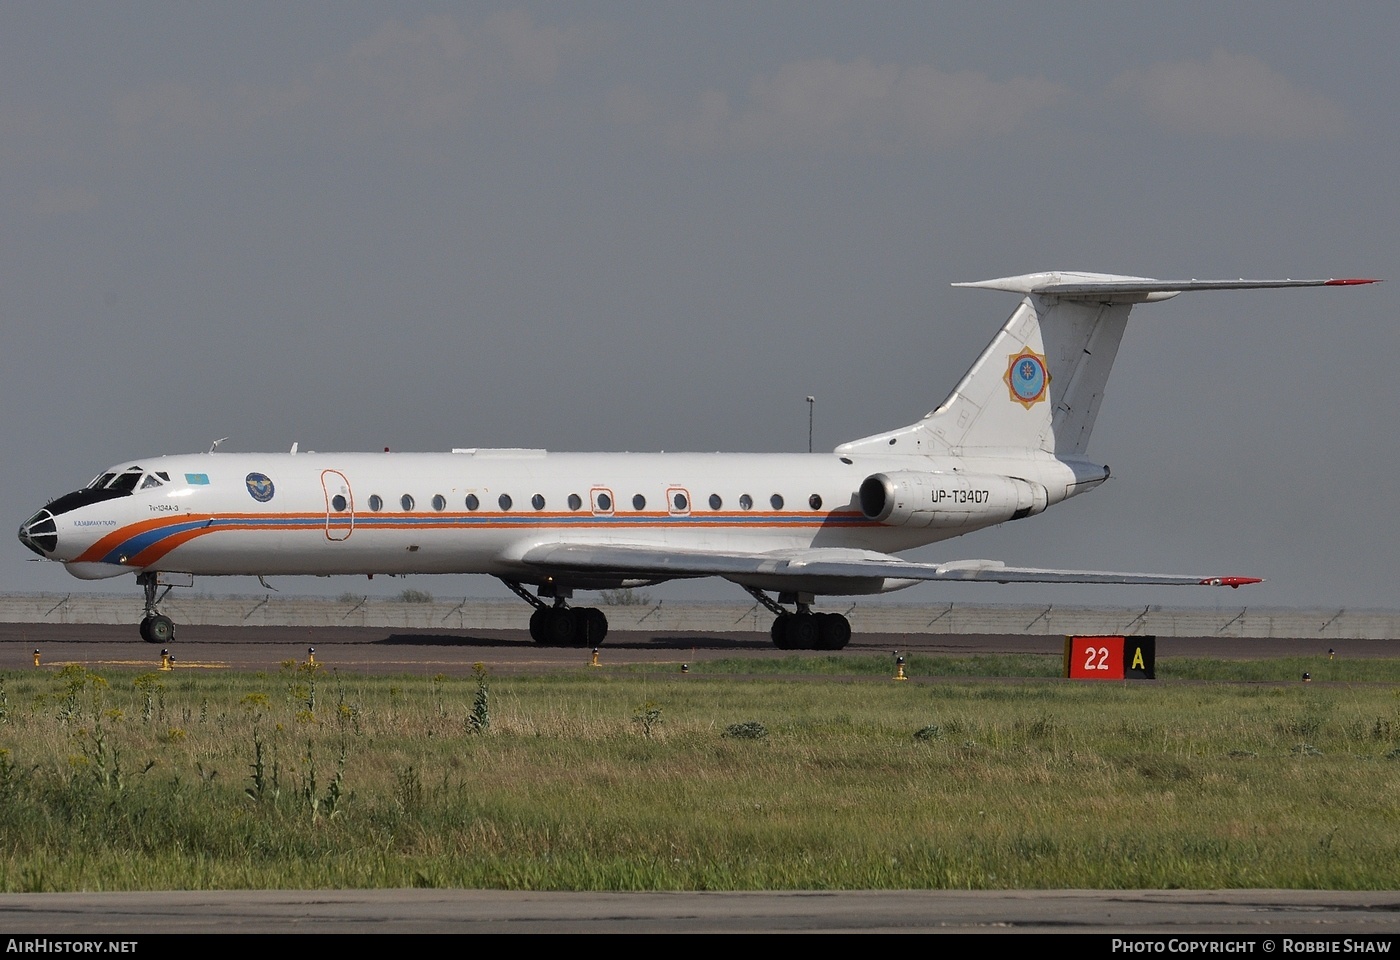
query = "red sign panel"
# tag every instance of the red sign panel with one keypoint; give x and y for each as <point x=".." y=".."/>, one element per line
<point x="1094" y="658"/>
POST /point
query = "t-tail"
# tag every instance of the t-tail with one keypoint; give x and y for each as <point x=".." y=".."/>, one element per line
<point x="1038" y="385"/>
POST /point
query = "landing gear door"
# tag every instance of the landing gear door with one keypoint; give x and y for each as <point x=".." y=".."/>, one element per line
<point x="340" y="505"/>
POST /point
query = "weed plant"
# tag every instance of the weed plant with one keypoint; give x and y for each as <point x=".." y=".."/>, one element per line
<point x="613" y="779"/>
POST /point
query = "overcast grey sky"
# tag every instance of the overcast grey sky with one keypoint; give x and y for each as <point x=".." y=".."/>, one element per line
<point x="643" y="226"/>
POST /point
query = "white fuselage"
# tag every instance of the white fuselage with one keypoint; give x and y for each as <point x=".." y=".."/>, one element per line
<point x="480" y="511"/>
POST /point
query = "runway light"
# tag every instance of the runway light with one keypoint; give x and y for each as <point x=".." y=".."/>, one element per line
<point x="165" y="659"/>
<point x="1307" y="678"/>
<point x="1331" y="654"/>
<point x="685" y="668"/>
<point x="36" y="656"/>
<point x="311" y="656"/>
<point x="899" y="668"/>
<point x="594" y="662"/>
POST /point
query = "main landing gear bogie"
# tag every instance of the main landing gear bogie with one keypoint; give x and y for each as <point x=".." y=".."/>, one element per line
<point x="803" y="630"/>
<point x="568" y="626"/>
<point x="810" y="631"/>
<point x="561" y="625"/>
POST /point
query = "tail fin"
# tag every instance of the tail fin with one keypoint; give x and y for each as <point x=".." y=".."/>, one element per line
<point x="1039" y="383"/>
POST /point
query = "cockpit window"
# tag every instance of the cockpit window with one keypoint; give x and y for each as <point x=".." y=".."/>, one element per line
<point x="150" y="481"/>
<point x="126" y="482"/>
<point x="101" y="481"/>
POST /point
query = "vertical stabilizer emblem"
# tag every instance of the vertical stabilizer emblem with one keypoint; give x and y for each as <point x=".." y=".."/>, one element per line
<point x="1027" y="377"/>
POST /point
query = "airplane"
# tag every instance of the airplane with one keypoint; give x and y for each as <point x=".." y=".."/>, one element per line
<point x="1007" y="443"/>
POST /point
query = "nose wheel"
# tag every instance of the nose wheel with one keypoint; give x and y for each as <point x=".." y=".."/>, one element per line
<point x="155" y="626"/>
<point x="158" y="629"/>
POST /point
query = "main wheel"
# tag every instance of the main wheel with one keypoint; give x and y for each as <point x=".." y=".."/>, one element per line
<point x="537" y="625"/>
<point x="560" y="627"/>
<point x="578" y="617"/>
<point x="835" y="631"/>
<point x="780" y="633"/>
<point x="802" y="632"/>
<point x="593" y="626"/>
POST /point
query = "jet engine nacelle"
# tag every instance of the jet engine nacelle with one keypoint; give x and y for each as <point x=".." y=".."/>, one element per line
<point x="907" y="498"/>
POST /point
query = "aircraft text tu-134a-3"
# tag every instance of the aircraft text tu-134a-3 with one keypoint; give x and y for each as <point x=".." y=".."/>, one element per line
<point x="1007" y="443"/>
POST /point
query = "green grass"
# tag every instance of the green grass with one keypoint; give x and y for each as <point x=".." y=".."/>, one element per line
<point x="1283" y="668"/>
<point x="867" y="665"/>
<point x="1287" y="669"/>
<point x="624" y="779"/>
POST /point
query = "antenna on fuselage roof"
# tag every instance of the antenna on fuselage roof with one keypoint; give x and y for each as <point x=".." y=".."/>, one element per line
<point x="215" y="445"/>
<point x="295" y="444"/>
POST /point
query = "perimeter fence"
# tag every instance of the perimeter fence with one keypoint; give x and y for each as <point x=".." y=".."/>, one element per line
<point x="663" y="617"/>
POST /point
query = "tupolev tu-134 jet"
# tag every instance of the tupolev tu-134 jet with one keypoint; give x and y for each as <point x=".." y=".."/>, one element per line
<point x="1007" y="443"/>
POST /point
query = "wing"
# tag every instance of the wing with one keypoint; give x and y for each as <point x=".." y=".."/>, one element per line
<point x="828" y="571"/>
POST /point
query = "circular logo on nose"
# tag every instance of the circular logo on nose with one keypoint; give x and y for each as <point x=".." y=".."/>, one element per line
<point x="1027" y="377"/>
<point x="259" y="487"/>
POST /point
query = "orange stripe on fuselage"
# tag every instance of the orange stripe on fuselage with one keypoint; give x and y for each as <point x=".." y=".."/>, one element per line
<point x="488" y="521"/>
<point x="105" y="546"/>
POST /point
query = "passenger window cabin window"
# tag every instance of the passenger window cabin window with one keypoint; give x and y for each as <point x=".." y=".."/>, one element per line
<point x="575" y="502"/>
<point x="680" y="502"/>
<point x="338" y="503"/>
<point x="376" y="502"/>
<point x="505" y="501"/>
<point x="715" y="501"/>
<point x="746" y="502"/>
<point x="537" y="501"/>
<point x="406" y="502"/>
<point x="439" y="502"/>
<point x="815" y="501"/>
<point x="472" y="501"/>
<point x="777" y="501"/>
<point x="639" y="502"/>
<point x="604" y="502"/>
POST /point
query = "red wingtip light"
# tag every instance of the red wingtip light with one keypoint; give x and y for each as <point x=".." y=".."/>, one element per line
<point x="1348" y="282"/>
<point x="1235" y="582"/>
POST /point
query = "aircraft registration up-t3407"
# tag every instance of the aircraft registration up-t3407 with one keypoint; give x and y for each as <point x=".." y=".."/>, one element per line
<point x="1007" y="443"/>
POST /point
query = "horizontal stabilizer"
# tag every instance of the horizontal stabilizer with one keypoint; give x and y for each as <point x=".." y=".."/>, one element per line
<point x="1069" y="285"/>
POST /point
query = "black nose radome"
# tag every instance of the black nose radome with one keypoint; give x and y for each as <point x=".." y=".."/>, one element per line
<point x="39" y="533"/>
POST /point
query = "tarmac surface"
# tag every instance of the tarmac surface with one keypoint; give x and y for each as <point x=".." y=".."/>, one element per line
<point x="377" y="650"/>
<point x="1272" y="915"/>
<point x="1178" y="914"/>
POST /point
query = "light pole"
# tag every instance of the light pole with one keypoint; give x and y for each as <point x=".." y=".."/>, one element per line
<point x="811" y="402"/>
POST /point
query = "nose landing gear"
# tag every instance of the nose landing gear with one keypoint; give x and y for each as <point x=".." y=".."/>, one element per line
<point x="155" y="626"/>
